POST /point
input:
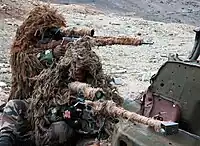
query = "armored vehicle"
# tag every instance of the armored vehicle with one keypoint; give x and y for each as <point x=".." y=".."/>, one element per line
<point x="174" y="95"/>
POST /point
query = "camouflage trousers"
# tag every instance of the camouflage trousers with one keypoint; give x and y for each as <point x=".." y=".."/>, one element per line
<point x="14" y="121"/>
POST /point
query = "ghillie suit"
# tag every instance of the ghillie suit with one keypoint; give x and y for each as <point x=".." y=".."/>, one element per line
<point x="80" y="63"/>
<point x="46" y="85"/>
<point x="25" y="65"/>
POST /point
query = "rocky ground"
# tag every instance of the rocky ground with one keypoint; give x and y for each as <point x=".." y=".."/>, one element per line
<point x="178" y="11"/>
<point x="131" y="66"/>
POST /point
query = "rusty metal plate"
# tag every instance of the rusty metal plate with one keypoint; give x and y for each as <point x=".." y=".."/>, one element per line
<point x="179" y="82"/>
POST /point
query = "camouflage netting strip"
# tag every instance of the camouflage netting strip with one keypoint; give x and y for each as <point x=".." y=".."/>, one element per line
<point x="26" y="65"/>
<point x="80" y="63"/>
<point x="110" y="108"/>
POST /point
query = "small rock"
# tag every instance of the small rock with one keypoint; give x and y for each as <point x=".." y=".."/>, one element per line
<point x="7" y="88"/>
<point x="181" y="44"/>
<point x="9" y="23"/>
<point x="4" y="70"/>
<point x="131" y="105"/>
<point x="4" y="6"/>
<point x="120" y="71"/>
<point x="118" y="81"/>
<point x="16" y="25"/>
<point x="153" y="60"/>
<point x="1" y="65"/>
<point x="2" y="84"/>
<point x="4" y="97"/>
<point x="141" y="91"/>
<point x="139" y="34"/>
<point x="147" y="76"/>
<point x="112" y="83"/>
<point x="164" y="55"/>
<point x="114" y="23"/>
<point x="7" y="65"/>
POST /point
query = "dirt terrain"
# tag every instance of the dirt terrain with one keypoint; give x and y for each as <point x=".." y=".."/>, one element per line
<point x="178" y="11"/>
<point x="131" y="66"/>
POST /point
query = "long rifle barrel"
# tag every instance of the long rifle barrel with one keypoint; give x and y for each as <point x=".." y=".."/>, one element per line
<point x="109" y="108"/>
